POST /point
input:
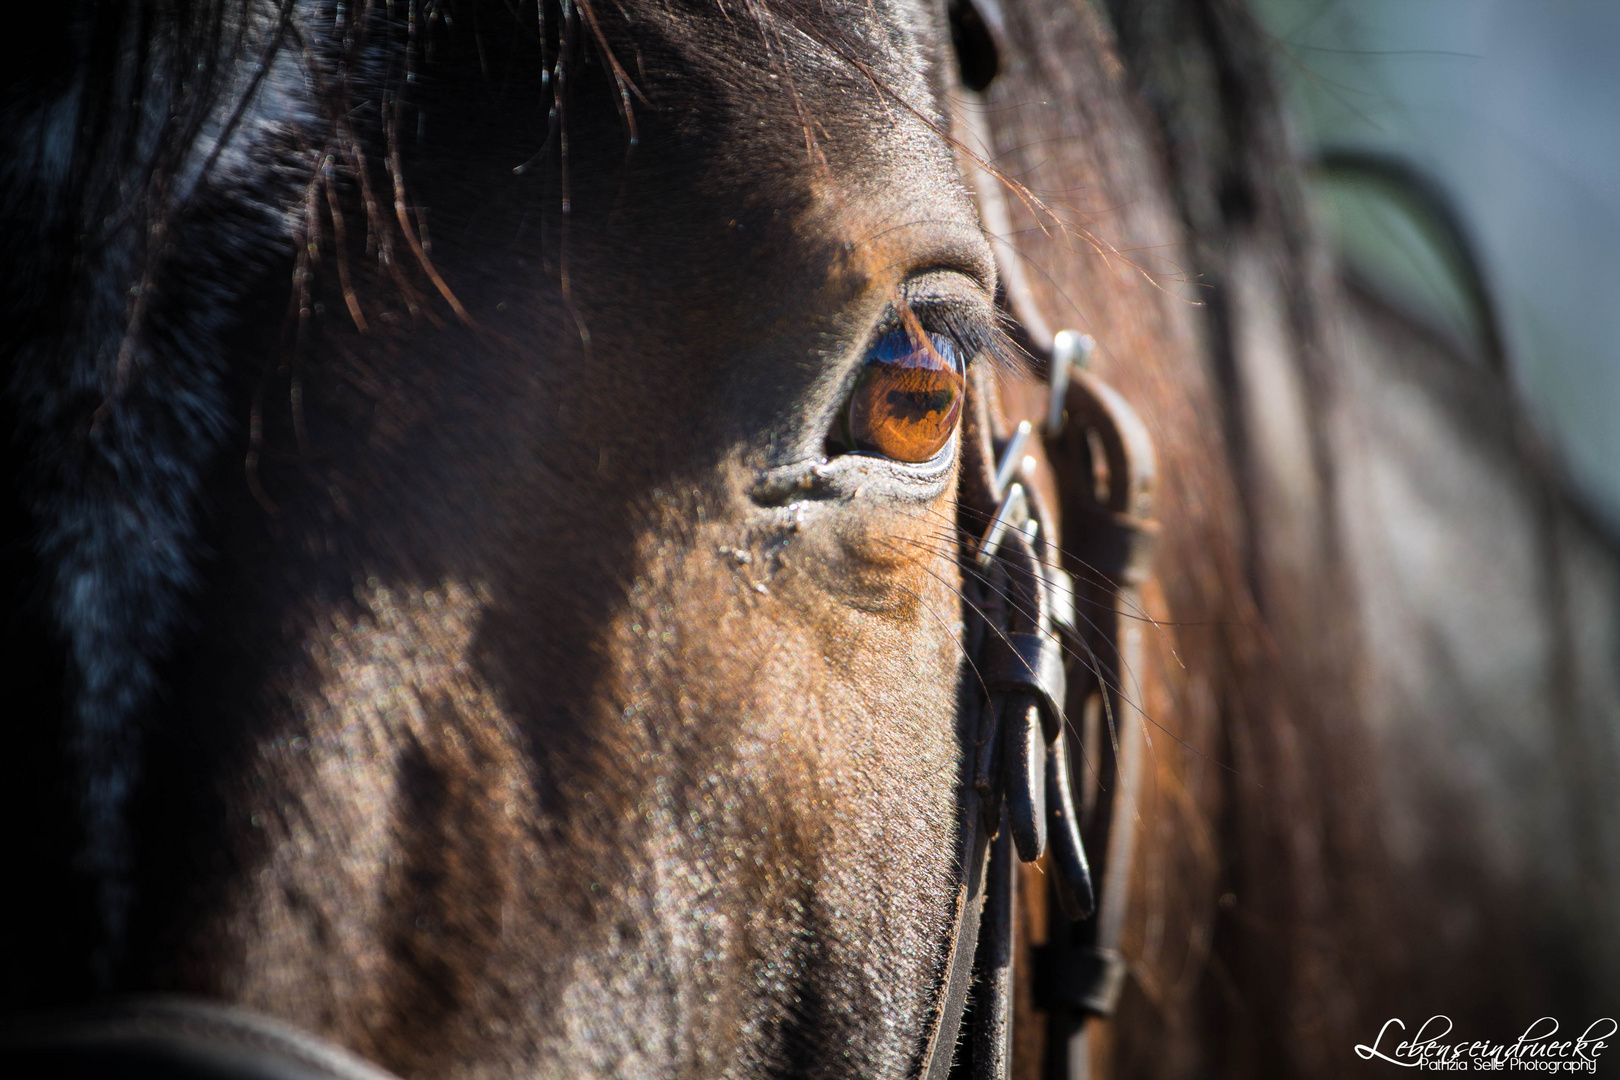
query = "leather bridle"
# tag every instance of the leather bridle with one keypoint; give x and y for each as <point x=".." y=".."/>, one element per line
<point x="1054" y="640"/>
<point x="1048" y="661"/>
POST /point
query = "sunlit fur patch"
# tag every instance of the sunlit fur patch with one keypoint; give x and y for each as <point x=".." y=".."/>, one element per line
<point x="408" y="781"/>
<point x="793" y="750"/>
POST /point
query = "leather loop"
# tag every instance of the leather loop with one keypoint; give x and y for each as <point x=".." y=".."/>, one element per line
<point x="1025" y="757"/>
<point x="1028" y="664"/>
<point x="1071" y="877"/>
<point x="1129" y="466"/>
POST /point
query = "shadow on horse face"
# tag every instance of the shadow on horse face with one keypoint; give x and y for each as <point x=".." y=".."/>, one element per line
<point x="572" y="710"/>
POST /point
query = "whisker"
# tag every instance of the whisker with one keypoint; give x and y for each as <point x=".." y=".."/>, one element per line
<point x="989" y="625"/>
<point x="1108" y="678"/>
<point x="1093" y="576"/>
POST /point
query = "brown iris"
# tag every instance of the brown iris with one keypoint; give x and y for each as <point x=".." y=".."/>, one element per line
<point x="907" y="400"/>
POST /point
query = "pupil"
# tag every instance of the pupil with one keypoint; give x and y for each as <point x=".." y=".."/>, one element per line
<point x="914" y="405"/>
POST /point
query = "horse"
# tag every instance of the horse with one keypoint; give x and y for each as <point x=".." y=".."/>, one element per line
<point x="491" y="528"/>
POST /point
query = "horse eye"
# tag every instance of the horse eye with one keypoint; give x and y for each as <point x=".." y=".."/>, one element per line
<point x="908" y="398"/>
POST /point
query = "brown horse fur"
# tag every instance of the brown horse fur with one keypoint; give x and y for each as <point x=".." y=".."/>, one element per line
<point x="526" y="704"/>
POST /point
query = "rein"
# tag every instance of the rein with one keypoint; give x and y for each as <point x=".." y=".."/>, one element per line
<point x="1043" y="671"/>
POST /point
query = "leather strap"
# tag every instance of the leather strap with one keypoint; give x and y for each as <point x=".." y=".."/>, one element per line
<point x="1104" y="464"/>
<point x="1019" y="599"/>
<point x="939" y="1051"/>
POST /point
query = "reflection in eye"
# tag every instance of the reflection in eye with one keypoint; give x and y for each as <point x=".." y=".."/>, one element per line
<point x="908" y="398"/>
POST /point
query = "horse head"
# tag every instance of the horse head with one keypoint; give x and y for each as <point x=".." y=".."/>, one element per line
<point x="570" y="679"/>
<point x="516" y="509"/>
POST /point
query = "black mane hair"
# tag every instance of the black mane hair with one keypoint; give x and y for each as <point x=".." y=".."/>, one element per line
<point x="141" y="202"/>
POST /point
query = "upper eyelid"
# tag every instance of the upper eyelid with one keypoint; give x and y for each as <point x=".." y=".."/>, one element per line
<point x="946" y="286"/>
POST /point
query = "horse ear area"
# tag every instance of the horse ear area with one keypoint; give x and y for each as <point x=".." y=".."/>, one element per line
<point x="976" y="54"/>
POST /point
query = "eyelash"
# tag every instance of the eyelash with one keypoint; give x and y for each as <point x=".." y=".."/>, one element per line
<point x="978" y="336"/>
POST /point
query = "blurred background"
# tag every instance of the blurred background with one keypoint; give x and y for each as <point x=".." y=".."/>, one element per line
<point x="1469" y="166"/>
<point x="1463" y="158"/>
